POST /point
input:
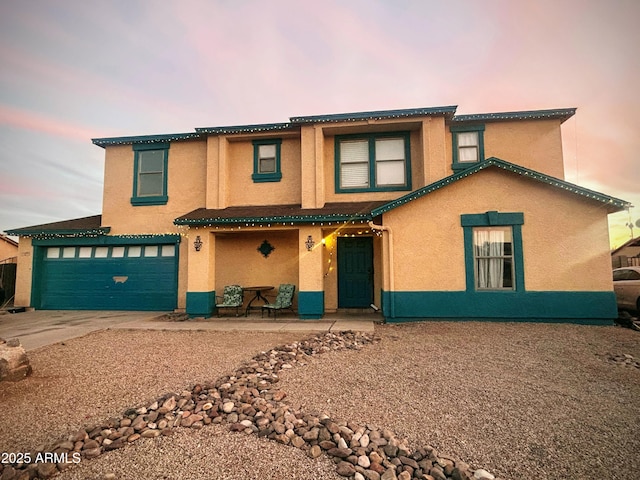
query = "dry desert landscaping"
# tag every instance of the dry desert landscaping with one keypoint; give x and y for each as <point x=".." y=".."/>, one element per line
<point x="523" y="401"/>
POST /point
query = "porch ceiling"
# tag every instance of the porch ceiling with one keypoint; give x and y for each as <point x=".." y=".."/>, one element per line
<point x="331" y="212"/>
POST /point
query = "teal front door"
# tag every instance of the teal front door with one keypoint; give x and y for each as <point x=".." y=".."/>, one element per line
<point x="355" y="272"/>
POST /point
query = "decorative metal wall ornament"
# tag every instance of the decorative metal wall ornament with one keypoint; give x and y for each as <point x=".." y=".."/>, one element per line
<point x="266" y="248"/>
<point x="197" y="243"/>
<point x="309" y="243"/>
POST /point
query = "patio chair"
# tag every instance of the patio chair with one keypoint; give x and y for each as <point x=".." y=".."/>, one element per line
<point x="283" y="300"/>
<point x="231" y="298"/>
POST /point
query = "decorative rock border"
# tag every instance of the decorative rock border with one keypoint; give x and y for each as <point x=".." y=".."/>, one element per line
<point x="250" y="401"/>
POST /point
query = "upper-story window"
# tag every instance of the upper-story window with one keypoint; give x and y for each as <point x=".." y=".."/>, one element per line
<point x="373" y="162"/>
<point x="150" y="174"/>
<point x="266" y="160"/>
<point x="468" y="146"/>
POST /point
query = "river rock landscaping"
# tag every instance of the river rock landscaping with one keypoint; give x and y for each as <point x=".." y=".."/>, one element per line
<point x="250" y="402"/>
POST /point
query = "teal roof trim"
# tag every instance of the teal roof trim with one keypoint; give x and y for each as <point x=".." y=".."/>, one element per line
<point x="291" y="219"/>
<point x="561" y="114"/>
<point x="296" y="122"/>
<point x="616" y="203"/>
<point x="375" y="115"/>
<point x="170" y="137"/>
<point x="258" y="128"/>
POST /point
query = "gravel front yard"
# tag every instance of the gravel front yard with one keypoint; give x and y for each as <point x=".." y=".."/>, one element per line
<point x="521" y="400"/>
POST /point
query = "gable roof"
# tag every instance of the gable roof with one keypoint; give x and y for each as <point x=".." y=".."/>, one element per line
<point x="615" y="204"/>
<point x="86" y="226"/>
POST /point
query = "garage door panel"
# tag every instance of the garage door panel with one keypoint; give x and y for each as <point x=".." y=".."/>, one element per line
<point x="104" y="282"/>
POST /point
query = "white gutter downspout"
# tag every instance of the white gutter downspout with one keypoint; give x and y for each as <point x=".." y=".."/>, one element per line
<point x="391" y="281"/>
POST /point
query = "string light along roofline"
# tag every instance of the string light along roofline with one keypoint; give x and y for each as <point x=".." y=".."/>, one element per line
<point x="558" y="113"/>
<point x="375" y="115"/>
<point x="296" y="122"/>
<point x="275" y="219"/>
<point x="496" y="162"/>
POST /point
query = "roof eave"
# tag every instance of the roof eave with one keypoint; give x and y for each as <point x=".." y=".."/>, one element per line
<point x="447" y="111"/>
<point x="613" y="204"/>
<point x="284" y="219"/>
<point x="90" y="232"/>
<point x="144" y="139"/>
<point x="561" y="114"/>
<point x="256" y="128"/>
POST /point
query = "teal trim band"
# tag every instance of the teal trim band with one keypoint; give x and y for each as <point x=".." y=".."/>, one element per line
<point x="310" y="305"/>
<point x="579" y="307"/>
<point x="201" y="304"/>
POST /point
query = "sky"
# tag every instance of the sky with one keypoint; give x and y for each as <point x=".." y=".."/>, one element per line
<point x="73" y="70"/>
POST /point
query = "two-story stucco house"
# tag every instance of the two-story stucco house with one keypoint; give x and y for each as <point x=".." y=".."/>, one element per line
<point x="422" y="212"/>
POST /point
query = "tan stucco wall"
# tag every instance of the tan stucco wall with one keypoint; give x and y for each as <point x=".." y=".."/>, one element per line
<point x="565" y="237"/>
<point x="24" y="273"/>
<point x="536" y="145"/>
<point x="186" y="190"/>
<point x="237" y="260"/>
<point x="242" y="190"/>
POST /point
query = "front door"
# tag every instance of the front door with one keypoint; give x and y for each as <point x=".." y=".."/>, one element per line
<point x="355" y="272"/>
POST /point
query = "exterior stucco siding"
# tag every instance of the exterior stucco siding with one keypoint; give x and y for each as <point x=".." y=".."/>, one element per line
<point x="242" y="190"/>
<point x="24" y="273"/>
<point x="186" y="179"/>
<point x="565" y="239"/>
<point x="536" y="145"/>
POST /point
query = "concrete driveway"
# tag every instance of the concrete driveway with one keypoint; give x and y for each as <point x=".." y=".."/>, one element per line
<point x="38" y="328"/>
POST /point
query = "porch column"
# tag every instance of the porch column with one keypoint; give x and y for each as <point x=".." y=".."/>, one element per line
<point x="311" y="288"/>
<point x="201" y="274"/>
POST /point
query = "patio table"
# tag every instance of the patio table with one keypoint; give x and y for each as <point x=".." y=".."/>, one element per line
<point x="257" y="296"/>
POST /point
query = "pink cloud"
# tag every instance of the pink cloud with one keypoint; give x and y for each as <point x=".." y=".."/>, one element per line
<point x="27" y="120"/>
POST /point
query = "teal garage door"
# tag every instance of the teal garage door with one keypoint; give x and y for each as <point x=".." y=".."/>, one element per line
<point x="124" y="277"/>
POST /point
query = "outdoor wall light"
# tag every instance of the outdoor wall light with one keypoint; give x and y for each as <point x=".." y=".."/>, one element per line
<point x="310" y="243"/>
<point x="197" y="243"/>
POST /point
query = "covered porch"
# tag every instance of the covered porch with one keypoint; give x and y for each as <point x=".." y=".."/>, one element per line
<point x="335" y="264"/>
